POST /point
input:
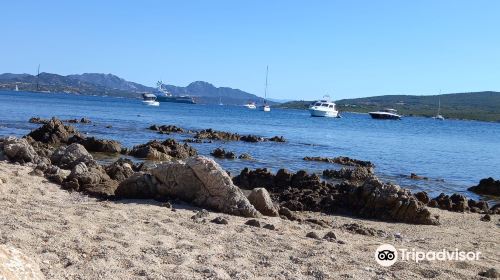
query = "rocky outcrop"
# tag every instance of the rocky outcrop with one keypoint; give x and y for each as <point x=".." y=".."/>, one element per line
<point x="19" y="150"/>
<point x="68" y="157"/>
<point x="217" y="135"/>
<point x="221" y="153"/>
<point x="120" y="169"/>
<point x="279" y="139"/>
<point x="488" y="186"/>
<point x="167" y="129"/>
<point x="97" y="145"/>
<point x="38" y="120"/>
<point x="261" y="200"/>
<point x="357" y="174"/>
<point x="199" y="180"/>
<point x="14" y="265"/>
<point x="342" y="161"/>
<point x="53" y="132"/>
<point x="82" y="120"/>
<point x="245" y="156"/>
<point x="91" y="179"/>
<point x="385" y="201"/>
<point x="163" y="151"/>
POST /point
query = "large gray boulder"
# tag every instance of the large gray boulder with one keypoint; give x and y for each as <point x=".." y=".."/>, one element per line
<point x="68" y="157"/>
<point x="199" y="180"/>
<point x="19" y="150"/>
<point x="91" y="179"/>
<point x="14" y="265"/>
<point x="261" y="200"/>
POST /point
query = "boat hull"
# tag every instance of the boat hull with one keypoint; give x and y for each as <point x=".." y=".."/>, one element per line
<point x="323" y="113"/>
<point x="381" y="116"/>
<point x="173" y="99"/>
<point x="151" y="103"/>
<point x="265" y="108"/>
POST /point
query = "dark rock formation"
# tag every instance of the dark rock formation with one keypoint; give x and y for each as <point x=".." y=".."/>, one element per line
<point x="245" y="156"/>
<point x="120" y="169"/>
<point x="163" y="151"/>
<point x="68" y="157"/>
<point x="167" y="129"/>
<point x="38" y="120"/>
<point x="53" y="132"/>
<point x="221" y="153"/>
<point x="217" y="135"/>
<point x="97" y="145"/>
<point x="488" y="186"/>
<point x="359" y="173"/>
<point x="91" y="179"/>
<point x="279" y="139"/>
<point x="342" y="161"/>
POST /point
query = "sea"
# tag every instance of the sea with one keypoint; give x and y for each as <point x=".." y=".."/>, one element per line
<point x="453" y="154"/>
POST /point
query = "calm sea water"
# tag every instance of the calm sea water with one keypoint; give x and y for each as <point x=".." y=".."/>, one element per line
<point x="453" y="154"/>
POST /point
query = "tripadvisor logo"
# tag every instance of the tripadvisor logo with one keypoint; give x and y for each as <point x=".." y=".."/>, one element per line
<point x="387" y="255"/>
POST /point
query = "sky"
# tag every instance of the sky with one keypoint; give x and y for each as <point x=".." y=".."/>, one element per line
<point x="346" y="49"/>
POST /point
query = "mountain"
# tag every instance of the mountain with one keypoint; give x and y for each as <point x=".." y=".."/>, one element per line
<point x="111" y="85"/>
<point x="484" y="106"/>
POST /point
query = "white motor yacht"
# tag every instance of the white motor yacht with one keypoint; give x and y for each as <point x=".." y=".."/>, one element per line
<point x="387" y="114"/>
<point x="324" y="108"/>
<point x="150" y="100"/>
<point x="250" y="105"/>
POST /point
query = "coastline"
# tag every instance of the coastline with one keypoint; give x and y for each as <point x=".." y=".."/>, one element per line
<point x="70" y="234"/>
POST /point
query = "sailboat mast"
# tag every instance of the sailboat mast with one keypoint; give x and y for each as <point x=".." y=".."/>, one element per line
<point x="38" y="78"/>
<point x="265" y="90"/>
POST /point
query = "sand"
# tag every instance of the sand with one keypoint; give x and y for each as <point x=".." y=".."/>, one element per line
<point x="72" y="236"/>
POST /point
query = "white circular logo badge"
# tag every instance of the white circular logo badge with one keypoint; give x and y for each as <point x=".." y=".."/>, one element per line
<point x="386" y="255"/>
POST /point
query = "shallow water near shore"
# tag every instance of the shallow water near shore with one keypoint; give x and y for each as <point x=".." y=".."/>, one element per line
<point x="453" y="154"/>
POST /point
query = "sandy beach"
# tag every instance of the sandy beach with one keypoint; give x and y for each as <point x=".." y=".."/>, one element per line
<point x="72" y="236"/>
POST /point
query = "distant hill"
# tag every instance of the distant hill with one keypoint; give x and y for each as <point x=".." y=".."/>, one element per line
<point x="483" y="106"/>
<point x="111" y="85"/>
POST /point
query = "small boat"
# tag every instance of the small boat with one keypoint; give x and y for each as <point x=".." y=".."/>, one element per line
<point x="324" y="108"/>
<point x="150" y="99"/>
<point x="17" y="89"/>
<point x="220" y="102"/>
<point x="250" y="105"/>
<point x="386" y="114"/>
<point x="265" y="107"/>
<point x="439" y="116"/>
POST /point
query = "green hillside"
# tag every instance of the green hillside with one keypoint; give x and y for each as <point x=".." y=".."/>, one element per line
<point x="484" y="106"/>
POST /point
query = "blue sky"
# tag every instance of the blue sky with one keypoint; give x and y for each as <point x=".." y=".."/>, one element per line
<point x="342" y="48"/>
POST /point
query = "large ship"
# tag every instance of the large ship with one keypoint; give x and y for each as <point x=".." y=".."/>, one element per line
<point x="166" y="96"/>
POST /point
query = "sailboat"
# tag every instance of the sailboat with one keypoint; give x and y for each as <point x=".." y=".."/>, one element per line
<point x="17" y="89"/>
<point x="220" y="101"/>
<point x="439" y="116"/>
<point x="265" y="107"/>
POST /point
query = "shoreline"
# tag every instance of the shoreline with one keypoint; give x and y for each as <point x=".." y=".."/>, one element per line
<point x="69" y="234"/>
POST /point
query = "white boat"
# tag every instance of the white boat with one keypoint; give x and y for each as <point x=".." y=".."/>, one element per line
<point x="250" y="105"/>
<point x="150" y="100"/>
<point x="265" y="107"/>
<point x="17" y="89"/>
<point x="220" y="102"/>
<point x="324" y="108"/>
<point x="386" y="114"/>
<point x="439" y="116"/>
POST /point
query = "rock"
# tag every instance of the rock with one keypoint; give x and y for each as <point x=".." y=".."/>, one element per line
<point x="312" y="235"/>
<point x="85" y="120"/>
<point x="97" y="145"/>
<point x="318" y="222"/>
<point x="53" y="132"/>
<point x="359" y="173"/>
<point x="486" y="218"/>
<point x="269" y="227"/>
<point x="200" y="216"/>
<point x="221" y="153"/>
<point x="68" y="157"/>
<point x="385" y="201"/>
<point x="253" y="223"/>
<point x="283" y="179"/>
<point x="287" y="213"/>
<point x="330" y="236"/>
<point x="220" y="220"/>
<point x="261" y="200"/>
<point x="423" y="197"/>
<point x="38" y="120"/>
<point x="120" y="169"/>
<point x="251" y="138"/>
<point x="92" y="180"/>
<point x="163" y="151"/>
<point x="342" y="161"/>
<point x="360" y="229"/>
<point x="280" y="139"/>
<point x="455" y="202"/>
<point x="14" y="265"/>
<point x="245" y="156"/>
<point x="414" y="176"/>
<point x="258" y="178"/>
<point x="19" y="150"/>
<point x="167" y="129"/>
<point x="217" y="135"/>
<point x="490" y="273"/>
<point x="200" y="181"/>
<point x="487" y="186"/>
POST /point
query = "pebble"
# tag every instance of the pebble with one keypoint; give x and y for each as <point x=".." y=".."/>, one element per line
<point x="313" y="235"/>
<point x="220" y="220"/>
<point x="253" y="223"/>
<point x="269" y="227"/>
